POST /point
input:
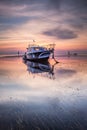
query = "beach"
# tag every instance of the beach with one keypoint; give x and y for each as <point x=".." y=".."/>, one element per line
<point x="49" y="96"/>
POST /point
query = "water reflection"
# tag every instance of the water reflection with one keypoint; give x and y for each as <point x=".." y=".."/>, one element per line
<point x="28" y="103"/>
<point x="48" y="69"/>
<point x="40" y="67"/>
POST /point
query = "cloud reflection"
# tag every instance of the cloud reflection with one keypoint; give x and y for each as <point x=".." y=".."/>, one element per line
<point x="68" y="72"/>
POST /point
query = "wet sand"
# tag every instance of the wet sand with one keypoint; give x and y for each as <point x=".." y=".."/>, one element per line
<point x="43" y="97"/>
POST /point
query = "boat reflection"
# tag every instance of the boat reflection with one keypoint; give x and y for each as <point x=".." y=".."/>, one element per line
<point x="39" y="68"/>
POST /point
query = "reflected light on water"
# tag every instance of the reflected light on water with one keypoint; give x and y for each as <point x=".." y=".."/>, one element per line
<point x="40" y="87"/>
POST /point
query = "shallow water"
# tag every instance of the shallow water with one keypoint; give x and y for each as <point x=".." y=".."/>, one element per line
<point x="36" y="96"/>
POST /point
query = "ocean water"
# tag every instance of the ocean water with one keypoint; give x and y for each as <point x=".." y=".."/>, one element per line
<point x="43" y="96"/>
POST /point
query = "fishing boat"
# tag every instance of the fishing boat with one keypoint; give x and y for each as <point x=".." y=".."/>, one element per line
<point x="38" y="52"/>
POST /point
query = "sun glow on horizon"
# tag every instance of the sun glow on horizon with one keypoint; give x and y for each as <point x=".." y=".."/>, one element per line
<point x="46" y="22"/>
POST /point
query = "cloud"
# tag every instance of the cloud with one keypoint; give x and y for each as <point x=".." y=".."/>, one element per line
<point x="12" y="16"/>
<point x="22" y="2"/>
<point x="28" y="8"/>
<point x="68" y="4"/>
<point x="75" y="12"/>
<point x="61" y="33"/>
<point x="14" y="20"/>
<point x="54" y="4"/>
<point x="29" y="17"/>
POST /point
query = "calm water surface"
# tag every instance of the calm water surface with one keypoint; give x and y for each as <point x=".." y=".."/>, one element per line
<point x="36" y="96"/>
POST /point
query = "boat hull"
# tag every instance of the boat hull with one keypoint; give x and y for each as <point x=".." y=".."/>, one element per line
<point x="37" y="59"/>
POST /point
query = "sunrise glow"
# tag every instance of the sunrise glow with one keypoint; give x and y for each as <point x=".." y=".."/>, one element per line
<point x="51" y="21"/>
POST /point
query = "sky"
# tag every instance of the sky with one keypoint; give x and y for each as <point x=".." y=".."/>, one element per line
<point x="63" y="22"/>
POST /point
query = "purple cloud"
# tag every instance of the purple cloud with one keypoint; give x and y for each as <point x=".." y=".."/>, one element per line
<point x="61" y="33"/>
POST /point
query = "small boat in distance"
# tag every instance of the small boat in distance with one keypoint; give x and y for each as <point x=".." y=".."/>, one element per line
<point x="38" y="52"/>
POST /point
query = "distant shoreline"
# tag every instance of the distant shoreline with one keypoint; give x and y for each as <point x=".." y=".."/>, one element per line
<point x="10" y="56"/>
<point x="20" y="55"/>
